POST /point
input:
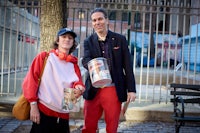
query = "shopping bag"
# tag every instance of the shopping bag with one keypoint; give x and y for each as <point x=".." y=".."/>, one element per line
<point x="21" y="109"/>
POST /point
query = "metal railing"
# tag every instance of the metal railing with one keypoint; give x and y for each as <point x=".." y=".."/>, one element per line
<point x="19" y="43"/>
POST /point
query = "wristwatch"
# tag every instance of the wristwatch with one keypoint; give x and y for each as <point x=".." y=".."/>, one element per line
<point x="33" y="103"/>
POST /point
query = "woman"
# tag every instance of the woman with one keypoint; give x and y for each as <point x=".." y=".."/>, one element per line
<point x="60" y="71"/>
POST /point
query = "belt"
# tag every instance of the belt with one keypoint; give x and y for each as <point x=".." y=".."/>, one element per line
<point x="108" y="85"/>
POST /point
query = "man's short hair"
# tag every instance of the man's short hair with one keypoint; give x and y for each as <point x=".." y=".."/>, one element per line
<point x="99" y="10"/>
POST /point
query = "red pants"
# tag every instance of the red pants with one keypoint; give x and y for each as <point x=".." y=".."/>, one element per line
<point x="106" y="100"/>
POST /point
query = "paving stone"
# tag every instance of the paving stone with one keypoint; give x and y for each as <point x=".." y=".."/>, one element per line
<point x="8" y="125"/>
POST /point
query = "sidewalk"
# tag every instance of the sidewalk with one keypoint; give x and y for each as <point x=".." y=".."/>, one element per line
<point x="10" y="125"/>
<point x="154" y="118"/>
<point x="141" y="117"/>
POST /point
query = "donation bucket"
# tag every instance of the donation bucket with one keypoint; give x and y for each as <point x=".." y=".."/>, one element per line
<point x="99" y="72"/>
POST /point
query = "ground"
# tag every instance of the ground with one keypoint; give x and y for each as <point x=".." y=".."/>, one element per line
<point x="23" y="129"/>
<point x="26" y="129"/>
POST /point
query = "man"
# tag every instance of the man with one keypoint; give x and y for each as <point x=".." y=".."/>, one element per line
<point x="108" y="99"/>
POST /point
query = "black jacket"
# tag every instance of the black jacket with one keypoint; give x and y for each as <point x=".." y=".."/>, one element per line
<point x="121" y="67"/>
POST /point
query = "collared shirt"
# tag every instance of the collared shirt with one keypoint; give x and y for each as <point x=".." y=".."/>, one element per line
<point x="104" y="48"/>
<point x="104" y="45"/>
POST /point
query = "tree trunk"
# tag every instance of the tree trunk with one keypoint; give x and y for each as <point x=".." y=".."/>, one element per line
<point x="51" y="21"/>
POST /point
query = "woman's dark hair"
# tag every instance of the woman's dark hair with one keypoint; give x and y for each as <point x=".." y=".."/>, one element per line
<point x="55" y="45"/>
<point x="99" y="10"/>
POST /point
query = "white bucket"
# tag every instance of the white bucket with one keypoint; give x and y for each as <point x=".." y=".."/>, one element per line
<point x="99" y="72"/>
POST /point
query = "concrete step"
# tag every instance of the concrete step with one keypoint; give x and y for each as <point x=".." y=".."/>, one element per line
<point x="149" y="112"/>
<point x="142" y="111"/>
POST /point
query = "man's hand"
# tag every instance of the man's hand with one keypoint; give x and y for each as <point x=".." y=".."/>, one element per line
<point x="131" y="97"/>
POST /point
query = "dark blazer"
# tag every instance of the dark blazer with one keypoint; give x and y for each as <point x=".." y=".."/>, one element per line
<point x="121" y="67"/>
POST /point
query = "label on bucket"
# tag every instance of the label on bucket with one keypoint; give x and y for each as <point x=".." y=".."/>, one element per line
<point x="99" y="72"/>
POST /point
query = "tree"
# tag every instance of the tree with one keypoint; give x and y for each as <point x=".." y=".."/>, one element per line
<point x="51" y="20"/>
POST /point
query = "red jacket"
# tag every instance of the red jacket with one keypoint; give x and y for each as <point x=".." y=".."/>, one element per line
<point x="31" y="83"/>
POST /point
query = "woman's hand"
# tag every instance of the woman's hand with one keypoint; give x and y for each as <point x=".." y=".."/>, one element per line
<point x="34" y="113"/>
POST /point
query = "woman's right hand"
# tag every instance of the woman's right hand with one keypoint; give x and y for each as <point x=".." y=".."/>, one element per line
<point x="34" y="113"/>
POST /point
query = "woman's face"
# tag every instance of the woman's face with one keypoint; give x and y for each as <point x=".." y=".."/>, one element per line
<point x="65" y="42"/>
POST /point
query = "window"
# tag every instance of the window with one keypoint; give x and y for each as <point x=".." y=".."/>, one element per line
<point x="124" y="16"/>
<point x="81" y="14"/>
<point x="112" y="15"/>
<point x="137" y="20"/>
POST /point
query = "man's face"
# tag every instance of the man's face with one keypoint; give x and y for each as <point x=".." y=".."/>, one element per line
<point x="99" y="22"/>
